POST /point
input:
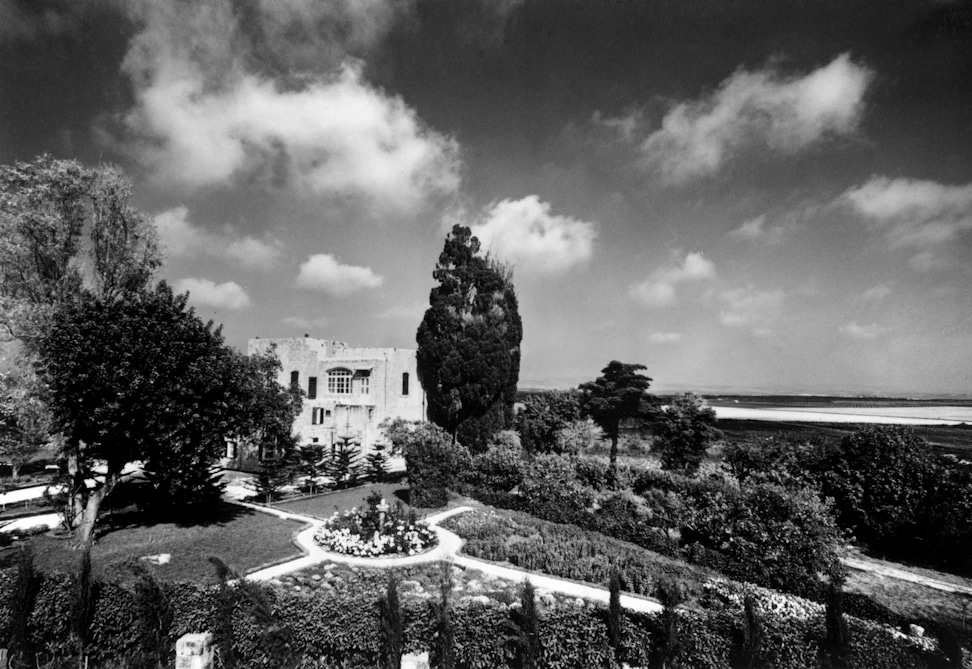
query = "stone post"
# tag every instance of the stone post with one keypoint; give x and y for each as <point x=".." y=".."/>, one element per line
<point x="195" y="651"/>
<point x="382" y="510"/>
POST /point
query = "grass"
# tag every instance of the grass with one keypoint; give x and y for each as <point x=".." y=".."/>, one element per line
<point x="324" y="505"/>
<point x="242" y="538"/>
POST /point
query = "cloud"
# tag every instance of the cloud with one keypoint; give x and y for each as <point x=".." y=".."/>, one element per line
<point x="751" y="230"/>
<point x="325" y="273"/>
<point x="855" y="331"/>
<point x="921" y="217"/>
<point x="183" y="239"/>
<point x="307" y="323"/>
<point x="763" y="108"/>
<point x="659" y="289"/>
<point x="748" y="307"/>
<point x="875" y="293"/>
<point x="204" y="292"/>
<point x="664" y="337"/>
<point x="413" y="311"/>
<point x="202" y="119"/>
<point x="29" y="21"/>
<point x="525" y="233"/>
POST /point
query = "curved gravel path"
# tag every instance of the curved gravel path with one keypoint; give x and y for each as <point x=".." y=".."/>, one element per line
<point x="448" y="549"/>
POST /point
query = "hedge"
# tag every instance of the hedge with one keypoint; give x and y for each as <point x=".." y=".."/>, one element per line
<point x="342" y="629"/>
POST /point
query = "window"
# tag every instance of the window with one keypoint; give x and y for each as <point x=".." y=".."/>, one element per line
<point x="295" y="378"/>
<point x="363" y="377"/>
<point x="317" y="415"/>
<point x="339" y="382"/>
<point x="312" y="388"/>
<point x="231" y="449"/>
<point x="327" y="413"/>
<point x="314" y="440"/>
<point x="405" y="383"/>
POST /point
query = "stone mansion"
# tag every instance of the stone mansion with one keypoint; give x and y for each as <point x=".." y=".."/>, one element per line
<point x="348" y="391"/>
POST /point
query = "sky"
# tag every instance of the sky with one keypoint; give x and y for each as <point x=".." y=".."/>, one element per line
<point x="741" y="196"/>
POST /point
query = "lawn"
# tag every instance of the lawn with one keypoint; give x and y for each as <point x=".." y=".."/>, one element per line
<point x="244" y="539"/>
<point x="324" y="505"/>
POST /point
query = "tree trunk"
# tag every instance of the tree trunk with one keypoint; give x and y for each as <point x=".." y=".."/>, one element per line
<point x="613" y="468"/>
<point x="89" y="501"/>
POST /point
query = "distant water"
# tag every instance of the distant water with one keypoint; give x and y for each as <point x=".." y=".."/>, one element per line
<point x="914" y="415"/>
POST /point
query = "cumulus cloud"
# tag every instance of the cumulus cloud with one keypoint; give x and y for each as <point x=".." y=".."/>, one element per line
<point x="29" y="21"/>
<point x="202" y="118"/>
<point x="325" y="273"/>
<point x="855" y="331"/>
<point x="525" y="233"/>
<point x="659" y="289"/>
<point x="183" y="239"/>
<point x="750" y="308"/>
<point x="762" y="108"/>
<point x="664" y="337"/>
<point x="307" y="323"/>
<point x="203" y="292"/>
<point x="919" y="217"/>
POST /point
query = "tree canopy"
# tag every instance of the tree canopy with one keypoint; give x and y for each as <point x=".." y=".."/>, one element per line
<point x="619" y="394"/>
<point x="145" y="379"/>
<point x="469" y="343"/>
<point x="67" y="230"/>
<point x="683" y="432"/>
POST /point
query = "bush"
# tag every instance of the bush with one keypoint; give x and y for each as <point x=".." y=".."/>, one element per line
<point x="432" y="461"/>
<point x="552" y="491"/>
<point x="500" y="468"/>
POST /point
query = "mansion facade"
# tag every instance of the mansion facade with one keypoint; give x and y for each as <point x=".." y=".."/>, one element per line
<point x="348" y="391"/>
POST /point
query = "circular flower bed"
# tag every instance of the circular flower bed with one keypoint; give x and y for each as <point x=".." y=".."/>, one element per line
<point x="362" y="534"/>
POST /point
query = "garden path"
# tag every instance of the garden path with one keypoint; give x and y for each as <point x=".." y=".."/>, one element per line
<point x="447" y="549"/>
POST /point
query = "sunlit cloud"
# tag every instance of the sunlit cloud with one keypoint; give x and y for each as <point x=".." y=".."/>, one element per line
<point x="917" y="216"/>
<point x="664" y="337"/>
<point x="203" y="292"/>
<point x="660" y="289"/>
<point x="875" y="293"/>
<point x="752" y="309"/>
<point x="202" y="119"/>
<point x="525" y="233"/>
<point x="325" y="273"/>
<point x="763" y="108"/>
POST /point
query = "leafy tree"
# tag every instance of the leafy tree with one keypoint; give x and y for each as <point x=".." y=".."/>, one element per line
<point x="469" y="343"/>
<point x="25" y="422"/>
<point x="619" y="395"/>
<point x="144" y="379"/>
<point x="66" y="231"/>
<point x="577" y="436"/>
<point x="432" y="460"/>
<point x="543" y="416"/>
<point x="883" y="481"/>
<point x="684" y="431"/>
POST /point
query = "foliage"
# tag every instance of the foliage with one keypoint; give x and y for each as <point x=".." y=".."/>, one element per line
<point x="620" y="394"/>
<point x="310" y="464"/>
<point x="391" y="626"/>
<point x="500" y="468"/>
<point x="884" y="482"/>
<point x="543" y="416"/>
<point x="432" y="460"/>
<point x="25" y="588"/>
<point x="551" y="488"/>
<point x="527" y="621"/>
<point x="836" y="642"/>
<point x="25" y="422"/>
<point x="154" y="608"/>
<point x="670" y="593"/>
<point x="750" y="646"/>
<point x="615" y="614"/>
<point x="785" y="459"/>
<point x="469" y="343"/>
<point x="83" y="601"/>
<point x="578" y="436"/>
<point x="145" y="379"/>
<point x="274" y="474"/>
<point x="344" y="464"/>
<point x="377" y="462"/>
<point x="771" y="536"/>
<point x="68" y="231"/>
<point x="683" y="432"/>
<point x="443" y="654"/>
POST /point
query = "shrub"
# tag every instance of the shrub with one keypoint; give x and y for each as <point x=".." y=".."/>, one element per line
<point x="431" y="460"/>
<point x="360" y="533"/>
<point x="500" y="468"/>
<point x="543" y="416"/>
<point x="683" y="433"/>
<point x="551" y="489"/>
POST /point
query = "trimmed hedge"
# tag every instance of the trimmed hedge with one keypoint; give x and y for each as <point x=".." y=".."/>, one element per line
<point x="342" y="629"/>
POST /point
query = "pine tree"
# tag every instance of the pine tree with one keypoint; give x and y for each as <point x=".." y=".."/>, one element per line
<point x="344" y="465"/>
<point x="391" y="626"/>
<point x="377" y="462"/>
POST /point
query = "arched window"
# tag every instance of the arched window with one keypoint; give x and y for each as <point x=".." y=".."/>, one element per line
<point x="339" y="381"/>
<point x="405" y="383"/>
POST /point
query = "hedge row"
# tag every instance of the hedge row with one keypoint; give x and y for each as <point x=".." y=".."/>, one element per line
<point x="320" y="629"/>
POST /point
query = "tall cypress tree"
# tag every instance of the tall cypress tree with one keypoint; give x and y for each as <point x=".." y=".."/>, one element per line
<point x="469" y="343"/>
